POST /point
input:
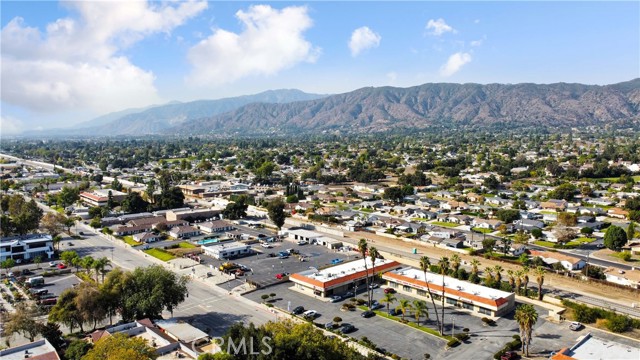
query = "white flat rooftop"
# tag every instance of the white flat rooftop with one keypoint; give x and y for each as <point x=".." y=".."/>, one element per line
<point x="305" y="233"/>
<point x="227" y="245"/>
<point x="450" y="283"/>
<point x="595" y="348"/>
<point x="343" y="269"/>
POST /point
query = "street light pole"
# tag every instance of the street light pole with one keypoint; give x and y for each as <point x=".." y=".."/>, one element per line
<point x="453" y="325"/>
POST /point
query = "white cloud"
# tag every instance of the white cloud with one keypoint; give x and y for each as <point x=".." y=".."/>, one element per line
<point x="9" y="125"/>
<point x="362" y="39"/>
<point x="272" y="40"/>
<point x="476" y="43"/>
<point x="74" y="63"/>
<point x="439" y="27"/>
<point x="392" y="76"/>
<point x="455" y="63"/>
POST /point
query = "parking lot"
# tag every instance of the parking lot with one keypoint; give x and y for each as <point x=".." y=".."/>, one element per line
<point x="265" y="268"/>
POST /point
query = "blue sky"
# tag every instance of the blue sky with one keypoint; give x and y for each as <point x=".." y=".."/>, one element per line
<point x="64" y="63"/>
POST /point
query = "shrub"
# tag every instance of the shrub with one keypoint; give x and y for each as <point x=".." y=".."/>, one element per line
<point x="269" y="305"/>
<point x="625" y="255"/>
<point x="466" y="330"/>
<point x="462" y="337"/>
<point x="602" y="323"/>
<point x="618" y="323"/>
<point x="453" y="343"/>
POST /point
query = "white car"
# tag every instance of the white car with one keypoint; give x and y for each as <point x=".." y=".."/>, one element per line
<point x="309" y="314"/>
<point x="53" y="264"/>
<point x="575" y="326"/>
<point x="302" y="242"/>
<point x="265" y="245"/>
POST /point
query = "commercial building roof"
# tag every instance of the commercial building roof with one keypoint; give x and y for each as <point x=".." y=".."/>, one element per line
<point x="594" y="348"/>
<point x="342" y="273"/>
<point x="182" y="331"/>
<point x="40" y="350"/>
<point x="453" y="287"/>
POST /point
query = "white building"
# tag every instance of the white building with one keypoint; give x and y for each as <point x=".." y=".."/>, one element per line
<point x="26" y="247"/>
<point x="301" y="234"/>
<point x="629" y="278"/>
<point x="100" y="197"/>
<point x="227" y="250"/>
<point x="40" y="349"/>
<point x="475" y="298"/>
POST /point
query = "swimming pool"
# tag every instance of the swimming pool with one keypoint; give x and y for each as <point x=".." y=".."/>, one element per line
<point x="207" y="241"/>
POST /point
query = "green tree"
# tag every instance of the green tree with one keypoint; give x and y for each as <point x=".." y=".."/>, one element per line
<point x="21" y="320"/>
<point x="388" y="298"/>
<point x="420" y="309"/>
<point x="65" y="311"/>
<point x="96" y="222"/>
<point x="564" y="191"/>
<point x="100" y="266"/>
<point x="567" y="219"/>
<point x="52" y="223"/>
<point x="134" y="203"/>
<point x="404" y="305"/>
<point x="539" y="272"/>
<point x="631" y="230"/>
<point x="67" y="196"/>
<point x="363" y="248"/>
<point x="69" y="257"/>
<point x="615" y="238"/>
<point x="116" y="185"/>
<point x="507" y="215"/>
<point x="394" y="193"/>
<point x="8" y="264"/>
<point x="37" y="260"/>
<point x="526" y="317"/>
<point x="236" y="209"/>
<point x="27" y="217"/>
<point x="51" y="332"/>
<point x="443" y="263"/>
<point x="275" y="209"/>
<point x="536" y="233"/>
<point x="121" y="347"/>
<point x="89" y="303"/>
<point x="77" y="349"/>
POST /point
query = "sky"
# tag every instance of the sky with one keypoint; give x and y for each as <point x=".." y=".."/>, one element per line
<point x="66" y="62"/>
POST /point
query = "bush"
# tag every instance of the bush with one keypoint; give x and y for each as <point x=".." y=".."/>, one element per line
<point x="466" y="330"/>
<point x="269" y="305"/>
<point x="625" y="255"/>
<point x="453" y="343"/>
<point x="618" y="323"/>
<point x="462" y="337"/>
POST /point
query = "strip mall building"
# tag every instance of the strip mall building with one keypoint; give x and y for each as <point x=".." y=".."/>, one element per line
<point x="479" y="300"/>
<point x="339" y="279"/>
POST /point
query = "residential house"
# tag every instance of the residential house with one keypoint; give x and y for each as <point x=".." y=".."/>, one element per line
<point x="630" y="278"/>
<point x="216" y="226"/>
<point x="146" y="237"/>
<point x="131" y="230"/>
<point x="37" y="350"/>
<point x="553" y="204"/>
<point x="527" y="224"/>
<point x="568" y="262"/>
<point x="183" y="232"/>
<point x="454" y="205"/>
<point x="618" y="213"/>
<point x="491" y="224"/>
<point x="517" y="249"/>
<point x="459" y="219"/>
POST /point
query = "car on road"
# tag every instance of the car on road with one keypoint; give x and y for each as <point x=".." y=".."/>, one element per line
<point x="310" y="314"/>
<point x="348" y="294"/>
<point x="266" y="245"/>
<point x="80" y="233"/>
<point x="600" y="246"/>
<point x="335" y="298"/>
<point x="347" y="328"/>
<point x="70" y="243"/>
<point x="367" y="314"/>
<point x="298" y="310"/>
<point x="509" y="355"/>
<point x="53" y="263"/>
<point x="575" y="326"/>
<point x="374" y="286"/>
<point x="26" y="272"/>
<point x="281" y="276"/>
<point x="389" y="291"/>
<point x="61" y="266"/>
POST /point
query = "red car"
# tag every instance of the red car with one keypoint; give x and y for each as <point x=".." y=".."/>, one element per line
<point x="389" y="291"/>
<point x="61" y="266"/>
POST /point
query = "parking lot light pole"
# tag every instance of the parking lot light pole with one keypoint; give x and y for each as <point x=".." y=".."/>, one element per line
<point x="453" y="325"/>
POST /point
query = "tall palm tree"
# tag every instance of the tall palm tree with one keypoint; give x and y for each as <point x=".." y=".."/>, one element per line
<point x="403" y="305"/>
<point x="455" y="262"/>
<point x="420" y="308"/>
<point x="519" y="276"/>
<point x="512" y="279"/>
<point x="488" y="276"/>
<point x="526" y="316"/>
<point x="87" y="263"/>
<point x="373" y="255"/>
<point x="525" y="279"/>
<point x="475" y="263"/>
<point x="425" y="263"/>
<point x="363" y="248"/>
<point x="498" y="275"/>
<point x="444" y="268"/>
<point x="540" y="280"/>
<point x="100" y="265"/>
<point x="388" y="299"/>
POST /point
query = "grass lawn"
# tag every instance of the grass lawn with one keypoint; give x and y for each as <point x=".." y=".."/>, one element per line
<point x="160" y="254"/>
<point x="481" y="230"/>
<point x="59" y="209"/>
<point x="366" y="210"/>
<point x="419" y="219"/>
<point x="544" y="243"/>
<point x="129" y="240"/>
<point x="547" y="212"/>
<point x="580" y="241"/>
<point x="186" y="245"/>
<point x="409" y="323"/>
<point x="445" y="224"/>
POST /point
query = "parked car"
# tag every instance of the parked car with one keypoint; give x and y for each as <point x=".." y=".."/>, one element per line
<point x="509" y="355"/>
<point x="329" y="325"/>
<point x="394" y="312"/>
<point x="302" y="242"/>
<point x="280" y="276"/>
<point x="61" y="266"/>
<point x="335" y="298"/>
<point x="26" y="272"/>
<point x="347" y="328"/>
<point x="53" y="263"/>
<point x="348" y="294"/>
<point x="374" y="286"/>
<point x="367" y="314"/>
<point x="81" y="233"/>
<point x="600" y="246"/>
<point x="298" y="310"/>
<point x="265" y="245"/>
<point x="310" y="314"/>
<point x="575" y="326"/>
<point x="70" y="243"/>
<point x="389" y="291"/>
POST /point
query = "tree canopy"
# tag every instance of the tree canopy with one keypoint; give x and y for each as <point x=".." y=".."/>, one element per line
<point x="615" y="238"/>
<point x="276" y="212"/>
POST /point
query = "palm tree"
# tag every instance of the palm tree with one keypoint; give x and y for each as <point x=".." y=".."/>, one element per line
<point x="512" y="279"/>
<point x="444" y="268"/>
<point x="519" y="276"/>
<point x="526" y="316"/>
<point x="388" y="299"/>
<point x="455" y="262"/>
<point x="99" y="265"/>
<point x="363" y="248"/>
<point x="373" y="255"/>
<point x="525" y="279"/>
<point x="498" y="269"/>
<point x="403" y="305"/>
<point x="488" y="278"/>
<point x="87" y="263"/>
<point x="419" y="309"/>
<point x="425" y="263"/>
<point x="540" y="280"/>
<point x="38" y="260"/>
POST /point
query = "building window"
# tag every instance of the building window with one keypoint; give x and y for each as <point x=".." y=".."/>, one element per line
<point x="467" y="305"/>
<point x="451" y="301"/>
<point x="484" y="311"/>
<point x="406" y="288"/>
<point x="421" y="292"/>
<point x="435" y="297"/>
<point x="393" y="285"/>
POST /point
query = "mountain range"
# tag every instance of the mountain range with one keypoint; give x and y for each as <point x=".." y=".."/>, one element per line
<point x="382" y="109"/>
